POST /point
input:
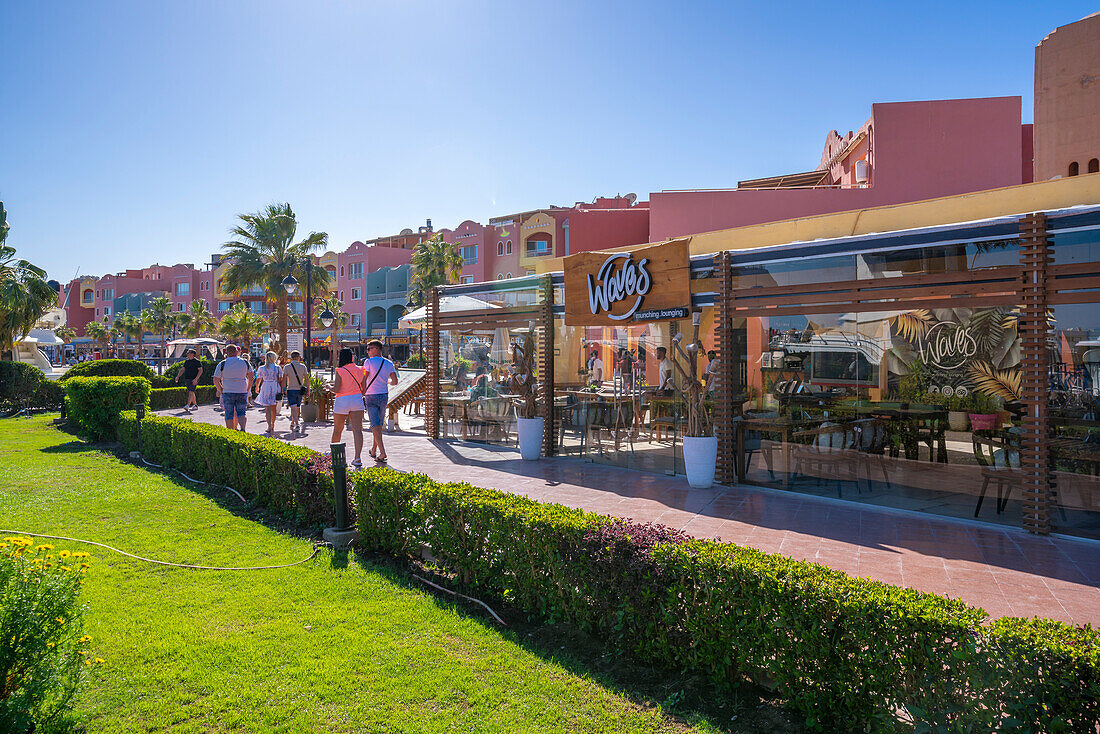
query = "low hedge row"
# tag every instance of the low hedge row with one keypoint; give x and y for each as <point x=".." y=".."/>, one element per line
<point x="271" y="473"/>
<point x="25" y="387"/>
<point x="94" y="403"/>
<point x="847" y="652"/>
<point x="115" y="368"/>
<point x="206" y="378"/>
<point x="176" y="397"/>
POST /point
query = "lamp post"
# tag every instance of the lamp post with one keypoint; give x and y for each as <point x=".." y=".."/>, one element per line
<point x="409" y="307"/>
<point x="359" y="339"/>
<point x="290" y="283"/>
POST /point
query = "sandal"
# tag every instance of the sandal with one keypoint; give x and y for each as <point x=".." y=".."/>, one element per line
<point x="358" y="463"/>
<point x="372" y="454"/>
<point x="381" y="459"/>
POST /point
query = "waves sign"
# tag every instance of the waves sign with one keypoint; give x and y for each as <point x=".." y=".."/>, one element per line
<point x="624" y="287"/>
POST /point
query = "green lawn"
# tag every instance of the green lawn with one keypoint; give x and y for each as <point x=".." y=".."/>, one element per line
<point x="317" y="647"/>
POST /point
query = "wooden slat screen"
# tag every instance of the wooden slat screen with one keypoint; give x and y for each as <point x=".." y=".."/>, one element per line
<point x="727" y="365"/>
<point x="431" y="418"/>
<point x="546" y="354"/>
<point x="1034" y="389"/>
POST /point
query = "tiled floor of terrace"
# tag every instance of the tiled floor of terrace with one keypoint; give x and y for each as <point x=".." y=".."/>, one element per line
<point x="1004" y="570"/>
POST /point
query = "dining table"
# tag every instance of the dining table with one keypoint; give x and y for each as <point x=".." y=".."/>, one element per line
<point x="783" y="425"/>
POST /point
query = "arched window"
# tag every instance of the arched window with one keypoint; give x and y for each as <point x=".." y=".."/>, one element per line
<point x="500" y="276"/>
<point x="1094" y="165"/>
<point x="500" y="248"/>
<point x="509" y="250"/>
<point x="509" y="276"/>
<point x="1074" y="169"/>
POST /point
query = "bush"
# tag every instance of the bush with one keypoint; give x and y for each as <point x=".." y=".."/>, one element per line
<point x="41" y="627"/>
<point x="176" y="397"/>
<point x="25" y="387"/>
<point x="845" y="652"/>
<point x="415" y="362"/>
<point x="94" y="403"/>
<point x="207" y="377"/>
<point x="109" y="368"/>
<point x="274" y="474"/>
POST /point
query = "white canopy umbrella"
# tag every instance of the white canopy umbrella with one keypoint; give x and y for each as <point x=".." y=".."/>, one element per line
<point x="178" y="347"/>
<point x="417" y="319"/>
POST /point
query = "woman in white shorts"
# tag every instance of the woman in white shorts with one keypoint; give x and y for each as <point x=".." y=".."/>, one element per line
<point x="348" y="406"/>
<point x="268" y="377"/>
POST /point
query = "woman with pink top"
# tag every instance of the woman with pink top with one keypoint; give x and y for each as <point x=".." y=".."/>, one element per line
<point x="348" y="406"/>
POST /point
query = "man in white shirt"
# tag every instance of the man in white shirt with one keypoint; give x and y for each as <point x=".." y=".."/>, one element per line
<point x="712" y="371"/>
<point x="595" y="368"/>
<point x="380" y="373"/>
<point x="664" y="370"/>
<point x="233" y="378"/>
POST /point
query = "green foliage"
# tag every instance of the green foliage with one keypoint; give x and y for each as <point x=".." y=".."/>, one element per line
<point x="94" y="403"/>
<point x="25" y="387"/>
<point x="207" y="377"/>
<point x="844" y="651"/>
<point x="415" y="362"/>
<point x="41" y="633"/>
<point x="269" y="472"/>
<point x="109" y="368"/>
<point x="176" y="397"/>
<point x="434" y="262"/>
<point x="24" y="293"/>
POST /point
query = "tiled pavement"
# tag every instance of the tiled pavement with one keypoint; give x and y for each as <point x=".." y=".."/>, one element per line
<point x="1004" y="570"/>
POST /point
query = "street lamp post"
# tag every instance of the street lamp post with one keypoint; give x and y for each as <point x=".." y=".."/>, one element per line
<point x="290" y="283"/>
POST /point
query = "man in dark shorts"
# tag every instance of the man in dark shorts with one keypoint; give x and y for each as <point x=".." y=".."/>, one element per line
<point x="191" y="372"/>
<point x="295" y="383"/>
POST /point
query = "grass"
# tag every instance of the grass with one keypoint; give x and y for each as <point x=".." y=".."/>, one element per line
<point x="328" y="646"/>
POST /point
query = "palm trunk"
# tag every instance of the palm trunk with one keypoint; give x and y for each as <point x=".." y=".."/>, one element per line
<point x="281" y="305"/>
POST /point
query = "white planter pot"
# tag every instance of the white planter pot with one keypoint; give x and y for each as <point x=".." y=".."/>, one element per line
<point x="700" y="455"/>
<point x="530" y="437"/>
<point x="958" y="420"/>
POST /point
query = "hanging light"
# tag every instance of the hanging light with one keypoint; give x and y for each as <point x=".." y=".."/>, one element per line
<point x="327" y="317"/>
<point x="290" y="283"/>
<point x="409" y="305"/>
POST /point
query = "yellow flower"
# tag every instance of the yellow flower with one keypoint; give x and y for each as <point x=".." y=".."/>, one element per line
<point x="63" y="554"/>
<point x="60" y="620"/>
<point x="80" y="554"/>
<point x="100" y="661"/>
<point x="48" y="565"/>
<point x="87" y="662"/>
<point x="44" y="546"/>
<point x="49" y="556"/>
<point x="86" y="638"/>
<point x="83" y="570"/>
<point x="84" y="565"/>
<point x="50" y="645"/>
<point x="81" y="652"/>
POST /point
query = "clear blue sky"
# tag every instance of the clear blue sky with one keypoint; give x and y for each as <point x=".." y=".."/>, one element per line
<point x="133" y="133"/>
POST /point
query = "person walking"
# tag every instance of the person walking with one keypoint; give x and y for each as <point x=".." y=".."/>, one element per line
<point x="380" y="374"/>
<point x="347" y="408"/>
<point x="295" y="387"/>
<point x="233" y="379"/>
<point x="190" y="373"/>
<point x="269" y="378"/>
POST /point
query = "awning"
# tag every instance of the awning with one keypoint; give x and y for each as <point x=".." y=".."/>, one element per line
<point x="415" y="319"/>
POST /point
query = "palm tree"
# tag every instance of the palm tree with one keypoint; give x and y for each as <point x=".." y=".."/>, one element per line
<point x="240" y="324"/>
<point x="435" y="262"/>
<point x="101" y="333"/>
<point x="159" y="318"/>
<point x="335" y="305"/>
<point x="24" y="293"/>
<point x="129" y="325"/>
<point x="66" y="334"/>
<point x="197" y="320"/>
<point x="264" y="253"/>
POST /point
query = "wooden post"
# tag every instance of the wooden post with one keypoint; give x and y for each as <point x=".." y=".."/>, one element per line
<point x="432" y="371"/>
<point x="546" y="347"/>
<point x="1034" y="379"/>
<point x="726" y="378"/>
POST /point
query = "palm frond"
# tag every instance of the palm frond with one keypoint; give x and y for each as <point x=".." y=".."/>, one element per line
<point x="1004" y="384"/>
<point x="913" y="324"/>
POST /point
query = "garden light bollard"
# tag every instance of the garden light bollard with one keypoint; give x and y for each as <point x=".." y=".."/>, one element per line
<point x="139" y="409"/>
<point x="340" y="484"/>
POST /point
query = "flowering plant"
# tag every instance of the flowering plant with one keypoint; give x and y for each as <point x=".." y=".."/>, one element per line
<point x="43" y="655"/>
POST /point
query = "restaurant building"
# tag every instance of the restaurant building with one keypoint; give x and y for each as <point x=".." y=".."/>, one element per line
<point x="941" y="356"/>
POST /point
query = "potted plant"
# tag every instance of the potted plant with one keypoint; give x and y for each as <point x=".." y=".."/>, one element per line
<point x="957" y="407"/>
<point x="311" y="409"/>
<point x="700" y="443"/>
<point x="983" y="412"/>
<point x="529" y="424"/>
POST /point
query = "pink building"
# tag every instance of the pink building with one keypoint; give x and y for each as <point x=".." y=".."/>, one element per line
<point x="354" y="265"/>
<point x="475" y="244"/>
<point x="907" y="151"/>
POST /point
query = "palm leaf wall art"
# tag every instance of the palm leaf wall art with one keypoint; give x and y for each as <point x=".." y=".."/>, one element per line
<point x="1004" y="384"/>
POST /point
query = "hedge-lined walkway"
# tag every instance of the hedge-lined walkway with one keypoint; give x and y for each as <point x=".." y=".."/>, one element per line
<point x="1004" y="571"/>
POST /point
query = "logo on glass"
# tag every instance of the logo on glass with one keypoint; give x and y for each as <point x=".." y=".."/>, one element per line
<point x="620" y="278"/>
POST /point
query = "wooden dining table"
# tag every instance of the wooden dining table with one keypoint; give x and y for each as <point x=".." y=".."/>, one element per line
<point x="785" y="426"/>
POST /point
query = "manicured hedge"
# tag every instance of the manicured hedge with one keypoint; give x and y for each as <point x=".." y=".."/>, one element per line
<point x="176" y="397"/>
<point x="94" y="403"/>
<point x="267" y="471"/>
<point x="847" y="652"/>
<point x="207" y="377"/>
<point x="25" y="387"/>
<point x="109" y="368"/>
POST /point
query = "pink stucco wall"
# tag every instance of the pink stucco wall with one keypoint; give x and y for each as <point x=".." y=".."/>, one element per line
<point x="917" y="150"/>
<point x="372" y="258"/>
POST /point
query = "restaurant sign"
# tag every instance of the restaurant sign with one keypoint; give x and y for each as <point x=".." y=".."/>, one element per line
<point x="643" y="285"/>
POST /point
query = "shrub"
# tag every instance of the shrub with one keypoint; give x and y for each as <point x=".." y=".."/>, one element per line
<point x="109" y="368"/>
<point x="207" y="377"/>
<point x="94" y="403"/>
<point x="41" y="629"/>
<point x="272" y="473"/>
<point x="176" y="397"/>
<point x="415" y="362"/>
<point x="25" y="387"/>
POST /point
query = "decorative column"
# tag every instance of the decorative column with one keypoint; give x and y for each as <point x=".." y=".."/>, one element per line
<point x="431" y="412"/>
<point x="724" y="411"/>
<point x="546" y="350"/>
<point x="1035" y="257"/>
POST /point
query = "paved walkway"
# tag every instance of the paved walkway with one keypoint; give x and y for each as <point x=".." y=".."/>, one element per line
<point x="1004" y="570"/>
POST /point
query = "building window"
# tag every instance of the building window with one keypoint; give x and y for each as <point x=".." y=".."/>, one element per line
<point x="341" y="271"/>
<point x="341" y="295"/>
<point x="356" y="293"/>
<point x="1074" y="169"/>
<point x="538" y="248"/>
<point x="256" y="306"/>
<point x="182" y="289"/>
<point x="223" y="305"/>
<point x="500" y="248"/>
<point x="106" y="310"/>
<point x="509" y="276"/>
<point x="508" y="248"/>
<point x="108" y="294"/>
<point x="97" y="294"/>
<point x="355" y="271"/>
<point x="469" y="254"/>
<point x="466" y="279"/>
<point x="97" y="312"/>
<point x="88" y="297"/>
<point x="295" y="307"/>
<point x="1094" y="165"/>
<point x="355" y="319"/>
